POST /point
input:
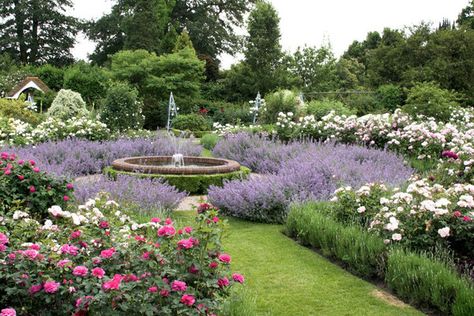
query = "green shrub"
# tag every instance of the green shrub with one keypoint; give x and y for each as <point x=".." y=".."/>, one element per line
<point x="193" y="184"/>
<point x="361" y="251"/>
<point x="280" y="101"/>
<point x="17" y="109"/>
<point x="422" y="280"/>
<point x="429" y="99"/>
<point x="44" y="100"/>
<point x="68" y="104"/>
<point x="156" y="113"/>
<point x="90" y="81"/>
<point x="363" y="103"/>
<point x="192" y="122"/>
<point x="121" y="109"/>
<point x="322" y="108"/>
<point x="209" y="141"/>
<point x="389" y="96"/>
<point x="52" y="76"/>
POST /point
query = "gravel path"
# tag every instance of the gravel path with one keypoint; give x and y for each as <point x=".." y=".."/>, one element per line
<point x="187" y="203"/>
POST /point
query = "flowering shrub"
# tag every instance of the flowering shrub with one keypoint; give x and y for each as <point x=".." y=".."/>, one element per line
<point x="297" y="172"/>
<point x="97" y="260"/>
<point x="68" y="104"/>
<point x="74" y="157"/>
<point x="24" y="185"/>
<point x="16" y="132"/>
<point x="142" y="195"/>
<point x="422" y="216"/>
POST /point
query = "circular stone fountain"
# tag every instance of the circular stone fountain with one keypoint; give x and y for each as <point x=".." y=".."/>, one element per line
<point x="172" y="165"/>
<point x="191" y="174"/>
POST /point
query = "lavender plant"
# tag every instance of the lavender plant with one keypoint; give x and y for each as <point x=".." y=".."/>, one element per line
<point x="145" y="195"/>
<point x="297" y="172"/>
<point x="73" y="157"/>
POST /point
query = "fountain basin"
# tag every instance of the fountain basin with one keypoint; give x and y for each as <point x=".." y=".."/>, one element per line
<point x="195" y="177"/>
<point x="165" y="165"/>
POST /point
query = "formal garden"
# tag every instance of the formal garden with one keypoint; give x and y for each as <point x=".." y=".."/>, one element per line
<point x="150" y="182"/>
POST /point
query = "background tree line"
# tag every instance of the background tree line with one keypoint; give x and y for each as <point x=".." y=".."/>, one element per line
<point x="158" y="46"/>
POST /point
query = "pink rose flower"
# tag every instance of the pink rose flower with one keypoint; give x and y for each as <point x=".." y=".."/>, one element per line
<point x="153" y="289"/>
<point x="178" y="286"/>
<point x="155" y="220"/>
<point x="457" y="214"/>
<point x="36" y="169"/>
<point x="80" y="271"/>
<point x="185" y="243"/>
<point x="113" y="284"/>
<point x="31" y="254"/>
<point x="69" y="249"/>
<point x="69" y="186"/>
<point x="224" y="258"/>
<point x="76" y="234"/>
<point x="238" y="277"/>
<point x="188" y="299"/>
<point x="213" y="265"/>
<point x="35" y="247"/>
<point x="168" y="231"/>
<point x="164" y="293"/>
<point x="466" y="219"/>
<point x="32" y="162"/>
<point x="3" y="239"/>
<point x="98" y="272"/>
<point x="35" y="289"/>
<point x="21" y="162"/>
<point x="7" y="172"/>
<point x="168" y="221"/>
<point x="192" y="269"/>
<point x="51" y="286"/>
<point x="223" y="282"/>
<point x="32" y="189"/>
<point x="63" y="262"/>
<point x="84" y="300"/>
<point x="215" y="219"/>
<point x="65" y="198"/>
<point x="3" y="248"/>
<point x="188" y="229"/>
<point x="21" y="178"/>
<point x="8" y="312"/>
<point x="104" y="225"/>
<point x="107" y="253"/>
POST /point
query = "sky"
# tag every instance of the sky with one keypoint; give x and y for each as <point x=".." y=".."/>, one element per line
<point x="318" y="22"/>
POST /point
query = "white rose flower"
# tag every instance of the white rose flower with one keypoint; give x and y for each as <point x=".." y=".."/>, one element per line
<point x="444" y="232"/>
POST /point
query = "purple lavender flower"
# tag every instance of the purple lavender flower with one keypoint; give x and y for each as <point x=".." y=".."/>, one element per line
<point x="296" y="172"/>
<point x="146" y="195"/>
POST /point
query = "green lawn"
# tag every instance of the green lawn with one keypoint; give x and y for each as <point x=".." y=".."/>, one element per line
<point x="289" y="279"/>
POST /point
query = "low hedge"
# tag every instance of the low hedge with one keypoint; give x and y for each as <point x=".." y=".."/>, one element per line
<point x="188" y="133"/>
<point x="193" y="184"/>
<point x="417" y="278"/>
<point x="422" y="280"/>
<point x="209" y="141"/>
<point x="361" y="252"/>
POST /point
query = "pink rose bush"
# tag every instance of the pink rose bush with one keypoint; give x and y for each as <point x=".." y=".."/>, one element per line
<point x="79" y="266"/>
<point x="24" y="185"/>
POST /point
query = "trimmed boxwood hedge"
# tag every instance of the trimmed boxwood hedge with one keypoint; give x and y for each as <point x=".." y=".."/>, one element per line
<point x="197" y="134"/>
<point x="193" y="184"/>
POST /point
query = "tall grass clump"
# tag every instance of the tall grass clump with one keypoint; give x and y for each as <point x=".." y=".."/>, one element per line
<point x="361" y="252"/>
<point x="423" y="280"/>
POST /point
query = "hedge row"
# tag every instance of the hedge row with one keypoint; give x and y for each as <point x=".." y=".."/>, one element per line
<point x="193" y="184"/>
<point x="415" y="277"/>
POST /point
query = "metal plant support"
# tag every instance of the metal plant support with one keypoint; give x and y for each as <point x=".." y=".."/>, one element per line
<point x="172" y="111"/>
<point x="257" y="104"/>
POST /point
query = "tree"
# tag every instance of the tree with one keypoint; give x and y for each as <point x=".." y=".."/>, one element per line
<point x="90" y="81"/>
<point x="263" y="52"/>
<point x="316" y="67"/>
<point x="154" y="26"/>
<point x="37" y="31"/>
<point x="466" y="17"/>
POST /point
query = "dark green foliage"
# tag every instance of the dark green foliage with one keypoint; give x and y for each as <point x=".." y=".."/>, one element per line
<point x="192" y="122"/>
<point x="209" y="141"/>
<point x="44" y="100"/>
<point x="193" y="184"/>
<point x="90" y="81"/>
<point x="423" y="280"/>
<point x="429" y="99"/>
<point x="323" y="107"/>
<point x="121" y="108"/>
<point x="316" y="68"/>
<point x="156" y="113"/>
<point x="37" y="31"/>
<point x="466" y="17"/>
<point x="389" y="97"/>
<point x="280" y="101"/>
<point x="363" y="102"/>
<point x="52" y="76"/>
<point x="362" y="252"/>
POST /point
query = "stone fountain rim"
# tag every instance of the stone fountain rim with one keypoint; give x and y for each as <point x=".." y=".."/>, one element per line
<point x="215" y="165"/>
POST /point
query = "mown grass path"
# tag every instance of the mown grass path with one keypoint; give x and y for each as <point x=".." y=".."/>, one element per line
<point x="289" y="279"/>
